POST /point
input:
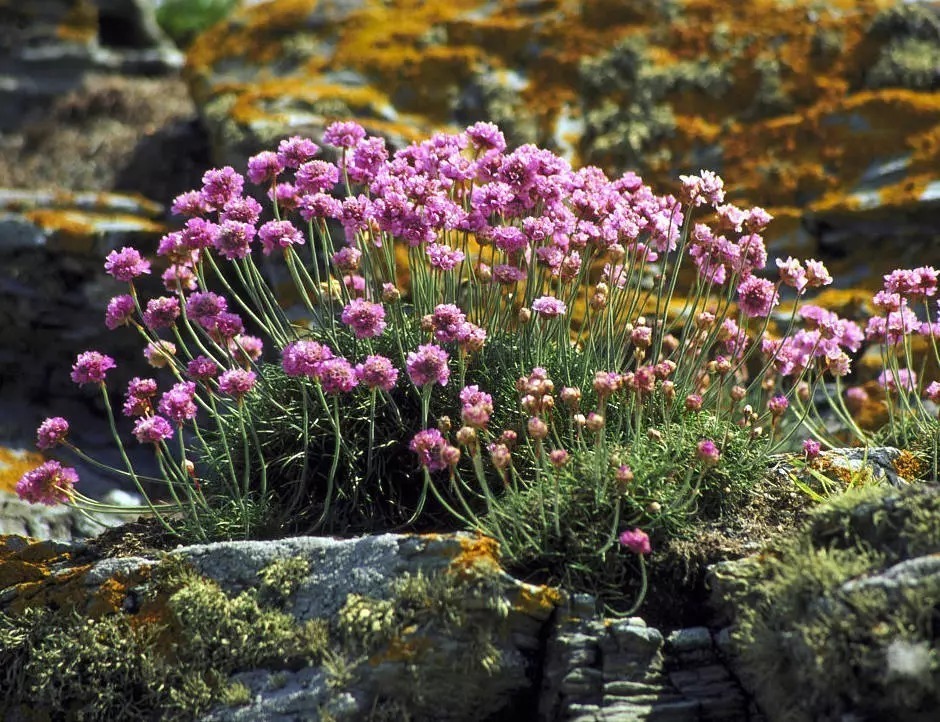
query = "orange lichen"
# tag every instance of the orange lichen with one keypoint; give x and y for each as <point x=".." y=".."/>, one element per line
<point x="909" y="466"/>
<point x="15" y="463"/>
<point x="80" y="23"/>
<point x="405" y="648"/>
<point x="537" y="601"/>
<point x="479" y="555"/>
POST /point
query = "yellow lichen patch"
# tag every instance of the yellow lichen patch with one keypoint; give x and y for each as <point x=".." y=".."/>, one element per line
<point x="74" y="231"/>
<point x="537" y="601"/>
<point x="63" y="590"/>
<point x="110" y="597"/>
<point x="14" y="463"/>
<point x="405" y="648"/>
<point x="479" y="556"/>
<point x="909" y="466"/>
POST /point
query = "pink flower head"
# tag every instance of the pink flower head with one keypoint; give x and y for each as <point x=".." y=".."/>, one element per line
<point x="428" y="365"/>
<point x="757" y="296"/>
<point x="178" y="404"/>
<point x="377" y="372"/>
<point x="707" y="452"/>
<point x="343" y="134"/>
<point x="178" y="278"/>
<point x="202" y="368"/>
<point x="220" y="185"/>
<point x="152" y="430"/>
<point x="126" y="264"/>
<point x="190" y="203"/>
<point x="226" y="326"/>
<point x="303" y="358"/>
<point x="443" y="257"/>
<point x="347" y="259"/>
<point x="446" y="322"/>
<point x="366" y="319"/>
<point x="236" y="383"/>
<point x="264" y="167"/>
<point x="337" y="376"/>
<point x="778" y="405"/>
<point x="486" y="137"/>
<point x="204" y="306"/>
<point x="294" y="151"/>
<point x="120" y="311"/>
<point x="428" y="444"/>
<point x="279" y="234"/>
<point x="233" y="239"/>
<point x="792" y="273"/>
<point x="49" y="484"/>
<point x="816" y="274"/>
<point x="932" y="392"/>
<point x="901" y="379"/>
<point x="245" y="349"/>
<point x="51" y="432"/>
<point x="637" y="541"/>
<point x="241" y="210"/>
<point x="549" y="307"/>
<point x="137" y="400"/>
<point x="558" y="458"/>
<point x="477" y="407"/>
<point x="703" y="188"/>
<point x="316" y="176"/>
<point x="811" y="448"/>
<point x="693" y="402"/>
<point x="198" y="233"/>
<point x="161" y="312"/>
<point x="91" y="367"/>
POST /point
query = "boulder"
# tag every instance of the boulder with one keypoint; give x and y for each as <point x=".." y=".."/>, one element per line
<point x="831" y="128"/>
<point x="840" y="621"/>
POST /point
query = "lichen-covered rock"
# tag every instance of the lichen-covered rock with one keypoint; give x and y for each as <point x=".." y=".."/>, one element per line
<point x="311" y="628"/>
<point x="47" y="47"/>
<point x="826" y="113"/>
<point x="841" y="620"/>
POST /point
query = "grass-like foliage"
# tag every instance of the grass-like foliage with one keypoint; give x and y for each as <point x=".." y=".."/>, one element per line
<point x="462" y="335"/>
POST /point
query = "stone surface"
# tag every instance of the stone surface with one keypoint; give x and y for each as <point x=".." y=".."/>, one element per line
<point x="48" y="46"/>
<point x="825" y="113"/>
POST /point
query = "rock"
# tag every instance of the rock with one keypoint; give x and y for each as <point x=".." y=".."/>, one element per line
<point x="58" y="523"/>
<point x="386" y="623"/>
<point x="829" y="129"/>
<point x="48" y="47"/>
<point x="834" y="623"/>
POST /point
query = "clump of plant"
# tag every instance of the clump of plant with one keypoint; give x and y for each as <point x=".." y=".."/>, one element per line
<point x="820" y="639"/>
<point x="460" y="335"/>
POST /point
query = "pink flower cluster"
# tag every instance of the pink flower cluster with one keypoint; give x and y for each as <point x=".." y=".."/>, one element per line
<point x="50" y="484"/>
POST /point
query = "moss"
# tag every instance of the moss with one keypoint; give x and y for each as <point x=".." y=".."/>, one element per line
<point x="907" y="63"/>
<point x="281" y="578"/>
<point x="819" y="642"/>
<point x="173" y="656"/>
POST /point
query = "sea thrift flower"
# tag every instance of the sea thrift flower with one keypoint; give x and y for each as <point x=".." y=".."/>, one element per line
<point x="816" y="274"/>
<point x="197" y="234"/>
<point x="161" y="312"/>
<point x="811" y="448"/>
<point x="778" y="405"/>
<point x="377" y="372"/>
<point x="220" y="185"/>
<point x="51" y="432"/>
<point x="204" y="307"/>
<point x="152" y="430"/>
<point x="294" y="151"/>
<point x="558" y="458"/>
<point x="337" y="376"/>
<point x="792" y="273"/>
<point x="245" y="349"/>
<point x="756" y="296"/>
<point x="120" y="311"/>
<point x="707" y="452"/>
<point x="316" y="176"/>
<point x="347" y="259"/>
<point x="901" y="379"/>
<point x="233" y="239"/>
<point x="177" y="403"/>
<point x="303" y="358"/>
<point x="693" y="402"/>
<point x="549" y="307"/>
<point x="537" y="428"/>
<point x="428" y="365"/>
<point x="637" y="541"/>
<point x="264" y="167"/>
<point x="446" y="322"/>
<point x="236" y="383"/>
<point x="190" y="203"/>
<point x="443" y="258"/>
<point x="624" y="474"/>
<point x="343" y="134"/>
<point x="279" y="234"/>
<point x="226" y="326"/>
<point x="499" y="455"/>
<point x="241" y="210"/>
<point x="178" y="278"/>
<point x="49" y="484"/>
<point x="159" y="353"/>
<point x="932" y="392"/>
<point x="202" y="368"/>
<point x="126" y="264"/>
<point x="91" y="367"/>
<point x="366" y="319"/>
<point x="427" y="445"/>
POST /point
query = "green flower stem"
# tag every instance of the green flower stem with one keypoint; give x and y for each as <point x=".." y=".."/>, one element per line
<point x="337" y="444"/>
<point x="643" y="588"/>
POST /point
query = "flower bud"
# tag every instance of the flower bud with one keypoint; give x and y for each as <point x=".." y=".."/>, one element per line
<point x="571" y="397"/>
<point x="595" y="422"/>
<point x="443" y="425"/>
<point x="558" y="458"/>
<point x="525" y="315"/>
<point x="738" y="392"/>
<point x="467" y="436"/>
<point x="450" y="455"/>
<point x="654" y="435"/>
<point x="537" y="428"/>
<point x="654" y="507"/>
